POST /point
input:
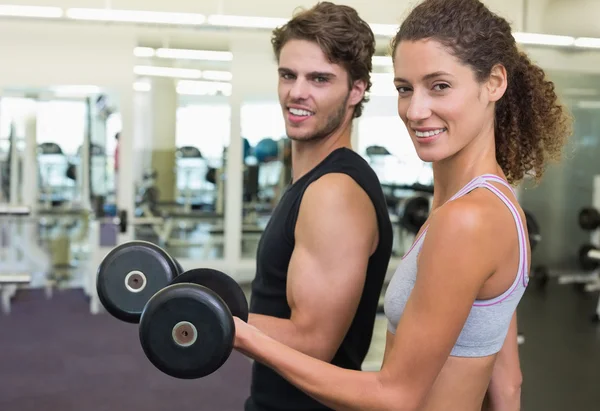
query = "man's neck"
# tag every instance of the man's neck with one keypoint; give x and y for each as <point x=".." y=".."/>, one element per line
<point x="306" y="155"/>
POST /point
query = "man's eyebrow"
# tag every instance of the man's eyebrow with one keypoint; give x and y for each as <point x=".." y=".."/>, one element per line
<point x="285" y="70"/>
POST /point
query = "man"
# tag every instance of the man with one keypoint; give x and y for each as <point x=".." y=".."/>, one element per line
<point x="323" y="257"/>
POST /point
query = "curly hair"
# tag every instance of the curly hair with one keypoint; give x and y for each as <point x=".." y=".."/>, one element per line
<point x="344" y="37"/>
<point x="531" y="126"/>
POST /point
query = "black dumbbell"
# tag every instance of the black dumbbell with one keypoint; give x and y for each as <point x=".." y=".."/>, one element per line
<point x="187" y="329"/>
<point x="415" y="214"/>
<point x="533" y="230"/>
<point x="130" y="274"/>
<point x="589" y="219"/>
<point x="589" y="257"/>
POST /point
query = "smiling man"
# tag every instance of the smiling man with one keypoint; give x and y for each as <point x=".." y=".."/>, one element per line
<point x="323" y="257"/>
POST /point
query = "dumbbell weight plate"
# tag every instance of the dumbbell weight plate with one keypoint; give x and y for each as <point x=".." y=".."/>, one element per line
<point x="179" y="267"/>
<point x="187" y="331"/>
<point x="415" y="213"/>
<point x="129" y="275"/>
<point x="533" y="229"/>
<point x="587" y="263"/>
<point x="589" y="219"/>
<point x="222" y="284"/>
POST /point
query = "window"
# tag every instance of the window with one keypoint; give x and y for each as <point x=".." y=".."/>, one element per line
<point x="262" y="120"/>
<point x="206" y="127"/>
<point x="403" y="165"/>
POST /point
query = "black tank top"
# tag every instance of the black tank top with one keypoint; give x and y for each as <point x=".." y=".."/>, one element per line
<point x="269" y="391"/>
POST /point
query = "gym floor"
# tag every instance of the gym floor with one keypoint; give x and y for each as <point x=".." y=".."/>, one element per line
<point x="55" y="356"/>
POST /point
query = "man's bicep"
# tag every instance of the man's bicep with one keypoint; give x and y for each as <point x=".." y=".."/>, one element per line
<point x="334" y="240"/>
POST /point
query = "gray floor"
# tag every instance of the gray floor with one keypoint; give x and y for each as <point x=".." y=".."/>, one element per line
<point x="561" y="354"/>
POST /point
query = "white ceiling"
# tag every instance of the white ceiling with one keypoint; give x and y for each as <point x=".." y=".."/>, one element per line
<point x="572" y="17"/>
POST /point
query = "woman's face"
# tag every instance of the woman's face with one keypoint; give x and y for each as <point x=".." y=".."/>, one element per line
<point x="440" y="101"/>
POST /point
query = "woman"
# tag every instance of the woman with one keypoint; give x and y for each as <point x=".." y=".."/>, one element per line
<point x="485" y="116"/>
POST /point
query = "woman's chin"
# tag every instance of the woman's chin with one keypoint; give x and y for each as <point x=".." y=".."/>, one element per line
<point x="428" y="156"/>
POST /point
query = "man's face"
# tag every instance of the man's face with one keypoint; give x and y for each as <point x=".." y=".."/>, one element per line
<point x="314" y="94"/>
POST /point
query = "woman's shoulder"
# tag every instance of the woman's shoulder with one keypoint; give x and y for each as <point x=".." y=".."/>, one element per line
<point x="476" y="222"/>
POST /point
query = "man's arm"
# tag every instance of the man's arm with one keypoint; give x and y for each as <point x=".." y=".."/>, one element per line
<point x="504" y="391"/>
<point x="336" y="233"/>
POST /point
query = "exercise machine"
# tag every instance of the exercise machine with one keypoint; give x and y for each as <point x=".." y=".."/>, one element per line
<point x="589" y="256"/>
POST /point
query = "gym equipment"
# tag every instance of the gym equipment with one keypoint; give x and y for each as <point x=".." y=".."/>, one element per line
<point x="266" y="150"/>
<point x="589" y="219"/>
<point x="533" y="229"/>
<point x="225" y="287"/>
<point x="130" y="274"/>
<point x="187" y="329"/>
<point x="589" y="257"/>
<point x="415" y="213"/>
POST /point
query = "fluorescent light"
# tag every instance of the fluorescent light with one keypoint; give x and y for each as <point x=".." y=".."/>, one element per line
<point x="588" y="42"/>
<point x="194" y="54"/>
<point x="143" y="52"/>
<point x="581" y="92"/>
<point x="246" y="21"/>
<point x="136" y="16"/>
<point x="167" y="72"/>
<point x="384" y="29"/>
<point x="142" y="86"/>
<point x="30" y="11"/>
<point x="203" y="88"/>
<point x="76" y="90"/>
<point x="589" y="105"/>
<point x="382" y="61"/>
<point x="217" y="75"/>
<point x="543" y="39"/>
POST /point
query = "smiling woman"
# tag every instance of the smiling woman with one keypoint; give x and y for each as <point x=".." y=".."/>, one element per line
<point x="485" y="116"/>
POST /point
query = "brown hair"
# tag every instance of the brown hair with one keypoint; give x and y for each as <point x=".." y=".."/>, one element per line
<point x="344" y="37"/>
<point x="530" y="125"/>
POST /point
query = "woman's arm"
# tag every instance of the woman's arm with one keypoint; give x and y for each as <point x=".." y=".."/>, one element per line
<point x="504" y="392"/>
<point x="454" y="263"/>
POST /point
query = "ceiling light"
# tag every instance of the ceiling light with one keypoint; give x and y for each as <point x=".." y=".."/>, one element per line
<point x="543" y="39"/>
<point x="194" y="54"/>
<point x="167" y="72"/>
<point x="588" y="42"/>
<point x="75" y="90"/>
<point x="246" y="21"/>
<point x="203" y="88"/>
<point x="143" y="52"/>
<point x="30" y="11"/>
<point x="136" y="16"/>
<point x="573" y="91"/>
<point x="217" y="75"/>
<point x="589" y="105"/>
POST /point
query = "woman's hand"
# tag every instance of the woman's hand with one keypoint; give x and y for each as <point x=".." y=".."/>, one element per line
<point x="244" y="333"/>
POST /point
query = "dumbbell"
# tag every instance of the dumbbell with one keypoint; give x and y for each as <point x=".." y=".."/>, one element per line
<point x="589" y="257"/>
<point x="415" y="213"/>
<point x="130" y="274"/>
<point x="186" y="318"/>
<point x="533" y="229"/>
<point x="187" y="329"/>
<point x="589" y="219"/>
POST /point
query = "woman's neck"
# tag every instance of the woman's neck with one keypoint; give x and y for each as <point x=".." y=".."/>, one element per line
<point x="453" y="173"/>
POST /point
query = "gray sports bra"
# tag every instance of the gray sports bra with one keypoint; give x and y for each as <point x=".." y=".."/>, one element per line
<point x="486" y="327"/>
